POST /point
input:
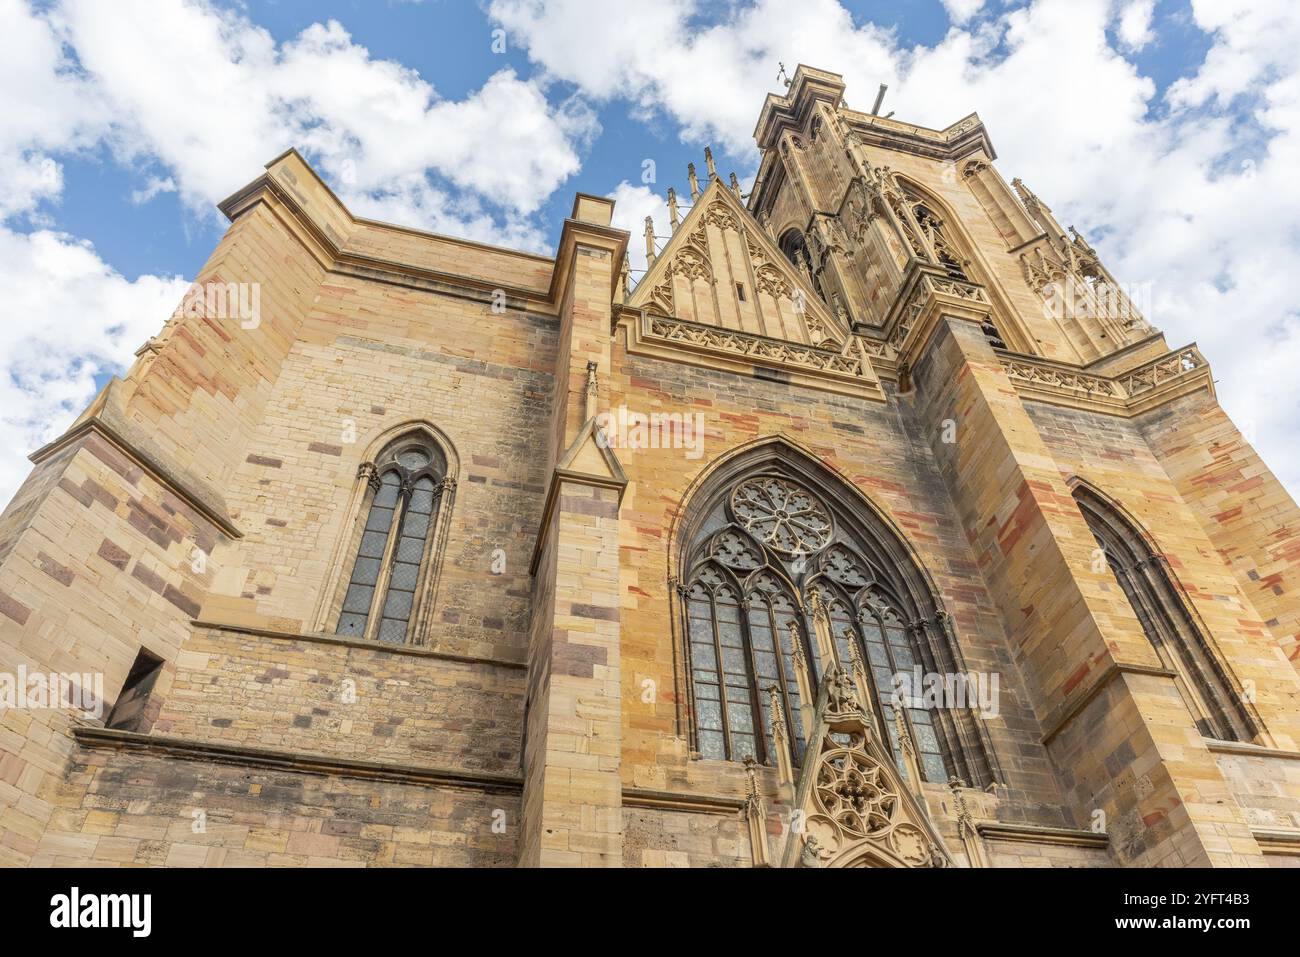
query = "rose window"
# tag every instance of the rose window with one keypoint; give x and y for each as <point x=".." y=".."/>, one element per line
<point x="782" y="515"/>
<point x="855" y="794"/>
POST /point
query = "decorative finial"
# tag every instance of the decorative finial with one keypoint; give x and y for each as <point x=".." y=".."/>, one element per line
<point x="674" y="216"/>
<point x="649" y="242"/>
<point x="695" y="183"/>
<point x="818" y="605"/>
<point x="751" y="776"/>
<point x="855" y="657"/>
<point x="904" y="736"/>
<point x="708" y="163"/>
<point x="735" y="186"/>
<point x="964" y="817"/>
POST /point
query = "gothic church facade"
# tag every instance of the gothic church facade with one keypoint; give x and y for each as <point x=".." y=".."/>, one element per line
<point x="873" y="526"/>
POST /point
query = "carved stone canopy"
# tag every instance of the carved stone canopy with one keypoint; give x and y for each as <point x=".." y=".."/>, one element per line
<point x="857" y="810"/>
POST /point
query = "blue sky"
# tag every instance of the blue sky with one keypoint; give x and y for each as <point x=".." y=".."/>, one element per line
<point x="1166" y="131"/>
<point x="450" y="44"/>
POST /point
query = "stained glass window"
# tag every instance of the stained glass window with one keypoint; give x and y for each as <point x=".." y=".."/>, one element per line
<point x="764" y="547"/>
<point x="890" y="653"/>
<point x="1169" y="625"/>
<point x="391" y="556"/>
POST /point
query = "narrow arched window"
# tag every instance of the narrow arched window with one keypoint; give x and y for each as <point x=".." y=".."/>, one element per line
<point x="873" y="624"/>
<point x="764" y="545"/>
<point x="795" y="248"/>
<point x="745" y="639"/>
<point x="406" y="485"/>
<point x="1173" y="629"/>
<point x="890" y="651"/>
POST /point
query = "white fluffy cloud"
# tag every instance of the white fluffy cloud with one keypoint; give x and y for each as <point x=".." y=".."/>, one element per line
<point x="205" y="96"/>
<point x="632" y="204"/>
<point x="79" y="318"/>
<point x="961" y="11"/>
<point x="1135" y="23"/>
<point x="213" y="109"/>
<point x="1192" y="192"/>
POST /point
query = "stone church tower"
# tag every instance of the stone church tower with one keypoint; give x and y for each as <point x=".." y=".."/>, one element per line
<point x="874" y="526"/>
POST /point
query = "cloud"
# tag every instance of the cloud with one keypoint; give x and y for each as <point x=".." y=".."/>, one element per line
<point x="47" y="107"/>
<point x="80" y="318"/>
<point x="213" y="109"/>
<point x="1135" y="24"/>
<point x="1191" y="192"/>
<point x="632" y="204"/>
<point x="155" y="187"/>
<point x="203" y="97"/>
<point x="961" y="11"/>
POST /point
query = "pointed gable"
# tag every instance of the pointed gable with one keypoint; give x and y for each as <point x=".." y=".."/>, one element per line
<point x="721" y="269"/>
<point x="857" y="809"/>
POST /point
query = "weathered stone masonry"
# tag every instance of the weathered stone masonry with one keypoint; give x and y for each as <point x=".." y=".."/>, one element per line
<point x="871" y="318"/>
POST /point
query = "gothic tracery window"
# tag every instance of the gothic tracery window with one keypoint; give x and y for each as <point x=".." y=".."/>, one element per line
<point x="932" y="226"/>
<point x="795" y="248"/>
<point x="1170" y="626"/>
<point x="405" y="487"/>
<point x="767" y="544"/>
<point x="946" y="252"/>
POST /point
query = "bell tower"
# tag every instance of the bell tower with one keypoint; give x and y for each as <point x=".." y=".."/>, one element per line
<point x="876" y="213"/>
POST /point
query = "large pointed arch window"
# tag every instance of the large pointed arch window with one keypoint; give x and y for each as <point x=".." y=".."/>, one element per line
<point x="1173" y="629"/>
<point x="767" y="543"/>
<point x="744" y="632"/>
<point x="395" y="549"/>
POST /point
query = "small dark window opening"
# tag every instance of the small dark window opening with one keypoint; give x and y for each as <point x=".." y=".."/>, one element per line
<point x="740" y="291"/>
<point x="128" y="713"/>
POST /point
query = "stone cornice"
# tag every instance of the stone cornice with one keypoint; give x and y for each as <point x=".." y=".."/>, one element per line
<point x="579" y="234"/>
<point x="105" y="419"/>
<point x="808" y="86"/>
<point x="1041" y="834"/>
<point x="682" y="801"/>
<point x="1277" y="840"/>
<point x="271" y="760"/>
<point x="344" y="641"/>
<point x="1136" y="390"/>
<point x="745" y="353"/>
<point x="962" y="138"/>
<point x="332" y="249"/>
<point x="1250" y="750"/>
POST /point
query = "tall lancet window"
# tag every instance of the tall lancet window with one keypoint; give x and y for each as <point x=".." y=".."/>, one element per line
<point x="395" y="550"/>
<point x="795" y="248"/>
<point x="762" y="544"/>
<point x="1168" y="621"/>
<point x="745" y="635"/>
